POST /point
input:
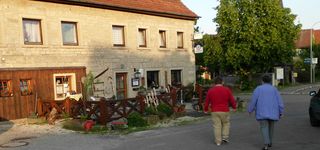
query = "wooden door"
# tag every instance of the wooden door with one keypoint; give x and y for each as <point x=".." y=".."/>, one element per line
<point x="121" y="85"/>
<point x="25" y="92"/>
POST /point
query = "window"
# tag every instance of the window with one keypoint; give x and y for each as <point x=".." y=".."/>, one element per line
<point x="118" y="35"/>
<point x="175" y="77"/>
<point x="152" y="79"/>
<point x="162" y="36"/>
<point x="6" y="88"/>
<point x="25" y="87"/>
<point x="142" y="38"/>
<point x="32" y="31"/>
<point x="180" y="39"/>
<point x="69" y="33"/>
<point x="64" y="84"/>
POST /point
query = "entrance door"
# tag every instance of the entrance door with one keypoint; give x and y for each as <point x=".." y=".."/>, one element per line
<point x="24" y="92"/>
<point x="121" y="85"/>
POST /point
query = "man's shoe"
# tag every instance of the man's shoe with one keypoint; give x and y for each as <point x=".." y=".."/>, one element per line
<point x="225" y="141"/>
<point x="218" y="144"/>
<point x="270" y="145"/>
<point x="265" y="148"/>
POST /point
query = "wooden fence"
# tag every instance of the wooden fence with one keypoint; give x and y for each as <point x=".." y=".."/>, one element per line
<point x="103" y="110"/>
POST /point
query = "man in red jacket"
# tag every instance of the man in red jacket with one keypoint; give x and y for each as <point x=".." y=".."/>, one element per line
<point x="219" y="98"/>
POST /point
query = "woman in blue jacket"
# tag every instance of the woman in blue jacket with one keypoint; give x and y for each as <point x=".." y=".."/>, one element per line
<point x="268" y="106"/>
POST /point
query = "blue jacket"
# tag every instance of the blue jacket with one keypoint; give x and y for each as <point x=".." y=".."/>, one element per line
<point x="266" y="102"/>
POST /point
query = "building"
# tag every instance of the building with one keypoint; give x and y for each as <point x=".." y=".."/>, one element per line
<point x="47" y="47"/>
<point x="303" y="40"/>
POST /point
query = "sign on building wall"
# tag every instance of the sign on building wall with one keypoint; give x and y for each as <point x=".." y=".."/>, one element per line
<point x="279" y="73"/>
<point x="197" y="36"/>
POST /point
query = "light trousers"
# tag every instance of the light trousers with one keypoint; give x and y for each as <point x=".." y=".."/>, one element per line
<point x="221" y="125"/>
<point x="266" y="127"/>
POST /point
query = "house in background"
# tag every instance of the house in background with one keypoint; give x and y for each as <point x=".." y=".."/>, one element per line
<point x="48" y="46"/>
<point x="303" y="41"/>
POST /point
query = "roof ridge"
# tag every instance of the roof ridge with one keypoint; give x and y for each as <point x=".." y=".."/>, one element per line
<point x="165" y="8"/>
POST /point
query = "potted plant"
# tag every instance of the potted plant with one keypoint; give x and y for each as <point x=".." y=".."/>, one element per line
<point x="142" y="90"/>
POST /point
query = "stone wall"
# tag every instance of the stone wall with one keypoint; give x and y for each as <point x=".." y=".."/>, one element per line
<point x="95" y="50"/>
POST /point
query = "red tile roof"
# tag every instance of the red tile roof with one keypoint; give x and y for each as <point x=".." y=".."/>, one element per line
<point x="167" y="8"/>
<point x="303" y="40"/>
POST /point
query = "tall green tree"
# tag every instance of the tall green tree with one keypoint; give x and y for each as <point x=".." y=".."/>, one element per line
<point x="255" y="34"/>
<point x="213" y="56"/>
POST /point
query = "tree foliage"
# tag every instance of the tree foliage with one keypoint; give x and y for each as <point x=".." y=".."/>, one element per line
<point x="213" y="55"/>
<point x="305" y="53"/>
<point x="255" y="35"/>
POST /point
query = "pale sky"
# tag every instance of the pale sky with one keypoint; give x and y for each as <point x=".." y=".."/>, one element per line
<point x="307" y="11"/>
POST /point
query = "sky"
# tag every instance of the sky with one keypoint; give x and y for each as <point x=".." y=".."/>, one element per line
<point x="307" y="11"/>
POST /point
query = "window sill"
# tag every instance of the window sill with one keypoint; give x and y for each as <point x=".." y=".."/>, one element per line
<point x="181" y="49"/>
<point x="71" y="46"/>
<point x="143" y="48"/>
<point x="163" y="49"/>
<point x="120" y="48"/>
<point x="32" y="46"/>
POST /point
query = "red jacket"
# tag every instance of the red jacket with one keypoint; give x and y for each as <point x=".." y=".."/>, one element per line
<point x="219" y="98"/>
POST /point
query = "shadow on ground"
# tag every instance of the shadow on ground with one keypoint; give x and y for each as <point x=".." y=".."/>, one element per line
<point x="5" y="125"/>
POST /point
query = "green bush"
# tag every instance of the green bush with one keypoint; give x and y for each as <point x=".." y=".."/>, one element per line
<point x="164" y="108"/>
<point x="136" y="120"/>
<point x="150" y="111"/>
<point x="74" y="125"/>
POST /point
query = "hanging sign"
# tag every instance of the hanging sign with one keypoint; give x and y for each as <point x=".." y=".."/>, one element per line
<point x="198" y="49"/>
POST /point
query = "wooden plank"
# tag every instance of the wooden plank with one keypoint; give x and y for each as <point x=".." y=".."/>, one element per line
<point x="20" y="106"/>
<point x="2" y="109"/>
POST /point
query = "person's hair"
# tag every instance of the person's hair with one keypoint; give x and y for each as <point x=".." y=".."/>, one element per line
<point x="266" y="79"/>
<point x="218" y="80"/>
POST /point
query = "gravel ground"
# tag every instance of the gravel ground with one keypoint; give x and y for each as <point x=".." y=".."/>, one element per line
<point x="20" y="129"/>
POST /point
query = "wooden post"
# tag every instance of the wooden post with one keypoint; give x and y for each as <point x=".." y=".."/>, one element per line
<point x="67" y="106"/>
<point x="39" y="107"/>
<point x="124" y="107"/>
<point x="142" y="104"/>
<point x="104" y="116"/>
<point x="173" y="94"/>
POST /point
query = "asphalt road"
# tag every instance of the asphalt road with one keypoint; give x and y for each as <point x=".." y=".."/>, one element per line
<point x="292" y="132"/>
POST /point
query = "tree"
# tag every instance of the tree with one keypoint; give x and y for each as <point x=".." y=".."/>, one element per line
<point x="255" y="35"/>
<point x="213" y="56"/>
<point x="300" y="65"/>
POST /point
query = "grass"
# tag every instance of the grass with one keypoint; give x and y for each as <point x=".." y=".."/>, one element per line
<point x="37" y="121"/>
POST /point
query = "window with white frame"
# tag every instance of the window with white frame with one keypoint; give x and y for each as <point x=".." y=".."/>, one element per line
<point x="64" y="84"/>
<point x="176" y="77"/>
<point x="32" y="31"/>
<point x="162" y="38"/>
<point x="118" y="35"/>
<point x="142" y="41"/>
<point x="152" y="79"/>
<point x="69" y="33"/>
<point x="179" y="39"/>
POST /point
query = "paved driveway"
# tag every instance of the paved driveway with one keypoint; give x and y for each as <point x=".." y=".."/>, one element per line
<point x="293" y="132"/>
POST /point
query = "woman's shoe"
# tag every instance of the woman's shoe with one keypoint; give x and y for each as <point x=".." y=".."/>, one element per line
<point x="265" y="148"/>
<point x="270" y="145"/>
